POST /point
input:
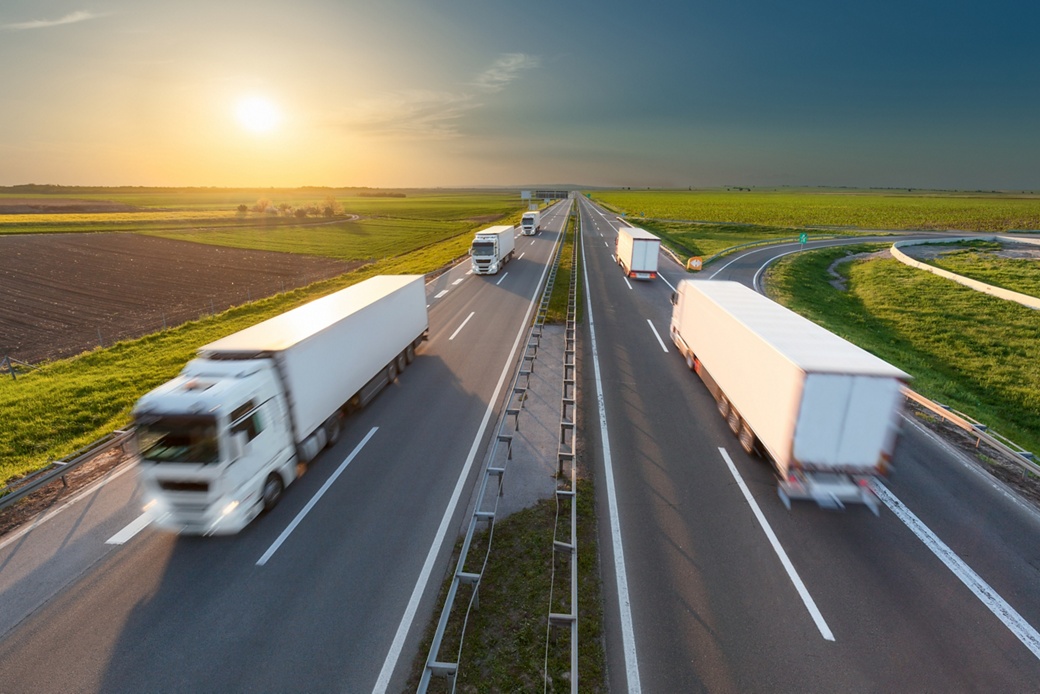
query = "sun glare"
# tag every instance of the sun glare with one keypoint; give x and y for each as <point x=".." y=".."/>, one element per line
<point x="257" y="114"/>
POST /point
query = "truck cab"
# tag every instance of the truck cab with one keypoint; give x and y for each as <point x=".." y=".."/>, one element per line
<point x="215" y="446"/>
<point x="530" y="223"/>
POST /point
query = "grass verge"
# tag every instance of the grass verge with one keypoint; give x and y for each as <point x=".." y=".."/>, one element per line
<point x="504" y="649"/>
<point x="557" y="312"/>
<point x="971" y="351"/>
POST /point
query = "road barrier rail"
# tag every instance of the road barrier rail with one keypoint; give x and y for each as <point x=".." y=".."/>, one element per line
<point x="19" y="489"/>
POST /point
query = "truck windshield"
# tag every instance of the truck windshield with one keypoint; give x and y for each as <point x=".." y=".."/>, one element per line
<point x="483" y="248"/>
<point x="178" y="439"/>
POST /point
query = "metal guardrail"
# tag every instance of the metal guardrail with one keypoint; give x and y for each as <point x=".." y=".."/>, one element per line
<point x="435" y="666"/>
<point x="59" y="468"/>
<point x="1023" y="458"/>
<point x="567" y="480"/>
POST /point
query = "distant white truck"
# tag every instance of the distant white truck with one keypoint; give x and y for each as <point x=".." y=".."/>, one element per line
<point x="825" y="412"/>
<point x="637" y="251"/>
<point x="219" y="443"/>
<point x="531" y="223"/>
<point x="492" y="249"/>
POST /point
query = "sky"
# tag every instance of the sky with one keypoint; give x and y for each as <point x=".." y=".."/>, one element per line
<point x="458" y="93"/>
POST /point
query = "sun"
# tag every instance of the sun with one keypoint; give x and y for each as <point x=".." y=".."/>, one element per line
<point x="257" y="114"/>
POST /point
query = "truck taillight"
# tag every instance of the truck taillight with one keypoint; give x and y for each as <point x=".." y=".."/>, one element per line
<point x="653" y="275"/>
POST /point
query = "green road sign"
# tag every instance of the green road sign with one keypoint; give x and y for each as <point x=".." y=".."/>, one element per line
<point x="803" y="237"/>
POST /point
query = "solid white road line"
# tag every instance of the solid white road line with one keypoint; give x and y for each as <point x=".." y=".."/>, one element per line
<point x="1022" y="630"/>
<point x="440" y="294"/>
<point x="803" y="593"/>
<point x="117" y="473"/>
<point x="501" y="278"/>
<point x="628" y="637"/>
<point x="124" y="535"/>
<point x="392" y="656"/>
<point x="314" y="500"/>
<point x="461" y="326"/>
<point x="659" y="340"/>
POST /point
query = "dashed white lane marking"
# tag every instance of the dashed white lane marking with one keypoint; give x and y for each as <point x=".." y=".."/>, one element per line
<point x="457" y="281"/>
<point x="627" y="282"/>
<point x="314" y="500"/>
<point x="502" y="278"/>
<point x="659" y="340"/>
<point x="461" y="326"/>
<point x="124" y="535"/>
<point x="521" y="255"/>
<point x="803" y="593"/>
<point x="440" y="294"/>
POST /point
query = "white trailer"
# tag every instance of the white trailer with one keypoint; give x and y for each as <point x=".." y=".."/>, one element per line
<point x="492" y="248"/>
<point x="220" y="442"/>
<point x="531" y="223"/>
<point x="825" y="412"/>
<point x="637" y="251"/>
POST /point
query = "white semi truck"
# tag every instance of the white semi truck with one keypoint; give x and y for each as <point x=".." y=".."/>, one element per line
<point x="637" y="251"/>
<point x="492" y="248"/>
<point x="825" y="412"/>
<point x="531" y="223"/>
<point x="219" y="443"/>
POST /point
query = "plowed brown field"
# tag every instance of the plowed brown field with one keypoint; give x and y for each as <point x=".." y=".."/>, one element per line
<point x="62" y="294"/>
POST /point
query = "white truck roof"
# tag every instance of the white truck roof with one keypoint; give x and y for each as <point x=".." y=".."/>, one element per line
<point x="496" y="229"/>
<point x="637" y="233"/>
<point x="295" y="326"/>
<point x="804" y="343"/>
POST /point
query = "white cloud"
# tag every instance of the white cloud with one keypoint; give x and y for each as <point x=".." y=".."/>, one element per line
<point x="71" y="18"/>
<point x="418" y="113"/>
<point x="504" y="70"/>
<point x="432" y="114"/>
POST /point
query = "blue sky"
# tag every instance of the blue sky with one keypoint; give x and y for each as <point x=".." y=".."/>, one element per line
<point x="404" y="93"/>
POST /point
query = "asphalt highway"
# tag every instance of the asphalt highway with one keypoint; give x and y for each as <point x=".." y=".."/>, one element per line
<point x="328" y="592"/>
<point x="723" y="589"/>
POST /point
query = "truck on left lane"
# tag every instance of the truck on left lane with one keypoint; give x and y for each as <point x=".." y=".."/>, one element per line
<point x="219" y="443"/>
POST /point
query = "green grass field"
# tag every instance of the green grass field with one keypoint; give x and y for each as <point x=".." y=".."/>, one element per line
<point x="191" y="209"/>
<point x="980" y="261"/>
<point x="965" y="349"/>
<point x="855" y="209"/>
<point x="52" y="411"/>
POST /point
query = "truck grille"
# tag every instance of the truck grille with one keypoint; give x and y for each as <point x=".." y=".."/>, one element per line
<point x="177" y="486"/>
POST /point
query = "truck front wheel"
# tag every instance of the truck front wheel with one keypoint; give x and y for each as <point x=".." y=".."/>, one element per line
<point x="273" y="488"/>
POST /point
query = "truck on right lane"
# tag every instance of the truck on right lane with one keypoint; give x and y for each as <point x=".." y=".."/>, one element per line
<point x="637" y="251"/>
<point x="823" y="411"/>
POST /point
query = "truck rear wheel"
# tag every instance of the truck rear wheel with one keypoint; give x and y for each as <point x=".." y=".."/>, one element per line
<point x="723" y="404"/>
<point x="333" y="428"/>
<point x="391" y="372"/>
<point x="747" y="438"/>
<point x="402" y="362"/>
<point x="409" y="354"/>
<point x="272" y="492"/>
<point x="734" y="421"/>
<point x="690" y="361"/>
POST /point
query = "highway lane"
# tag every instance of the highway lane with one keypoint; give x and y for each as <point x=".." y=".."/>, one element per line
<point x="323" y="610"/>
<point x="712" y="605"/>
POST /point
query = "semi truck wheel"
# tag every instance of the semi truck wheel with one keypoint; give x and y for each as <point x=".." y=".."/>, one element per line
<point x="734" y="421"/>
<point x="409" y="354"/>
<point x="690" y="361"/>
<point x="747" y="438"/>
<point x="273" y="488"/>
<point x="402" y="362"/>
<point x="391" y="372"/>
<point x="333" y="429"/>
<point x="723" y="404"/>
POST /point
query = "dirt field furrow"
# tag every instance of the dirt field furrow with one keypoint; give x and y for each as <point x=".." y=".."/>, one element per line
<point x="62" y="293"/>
